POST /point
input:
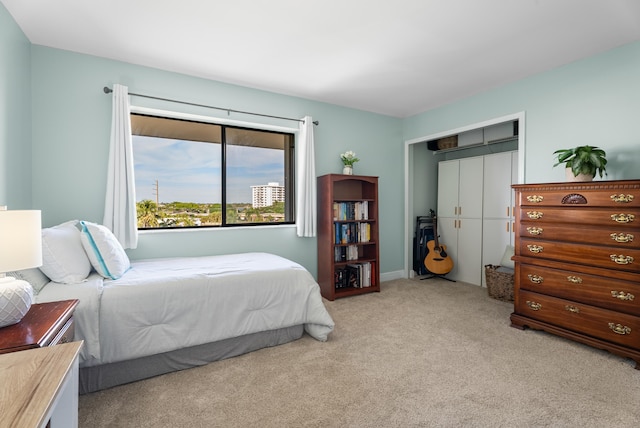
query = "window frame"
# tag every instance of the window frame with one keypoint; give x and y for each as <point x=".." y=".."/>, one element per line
<point x="290" y="162"/>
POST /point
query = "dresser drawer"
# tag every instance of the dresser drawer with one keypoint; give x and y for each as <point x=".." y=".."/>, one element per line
<point x="605" y="257"/>
<point x="604" y="292"/>
<point x="65" y="334"/>
<point x="619" y="220"/>
<point x="596" y="194"/>
<point x="604" y="324"/>
<point x="608" y="236"/>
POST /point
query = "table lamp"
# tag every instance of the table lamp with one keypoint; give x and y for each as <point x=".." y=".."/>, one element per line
<point x="20" y="248"/>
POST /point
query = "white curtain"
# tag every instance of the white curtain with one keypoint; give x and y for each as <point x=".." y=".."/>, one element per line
<point x="306" y="220"/>
<point x="120" y="201"/>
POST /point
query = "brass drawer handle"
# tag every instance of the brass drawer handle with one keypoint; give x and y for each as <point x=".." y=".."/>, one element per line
<point x="574" y="279"/>
<point x="535" y="215"/>
<point x="621" y="295"/>
<point x="535" y="248"/>
<point x="535" y="198"/>
<point x="621" y="259"/>
<point x="622" y="198"/>
<point x="534" y="305"/>
<point x="572" y="309"/>
<point x="536" y="279"/>
<point x="534" y="230"/>
<point x="622" y="237"/>
<point x="623" y="218"/>
<point x="619" y="328"/>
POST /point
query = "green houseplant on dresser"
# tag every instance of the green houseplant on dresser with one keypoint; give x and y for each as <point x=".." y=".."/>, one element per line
<point x="582" y="163"/>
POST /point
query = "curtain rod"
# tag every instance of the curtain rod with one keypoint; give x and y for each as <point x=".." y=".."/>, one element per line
<point x="228" y="110"/>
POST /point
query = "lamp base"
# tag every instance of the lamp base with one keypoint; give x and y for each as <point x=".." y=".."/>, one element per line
<point x="16" y="297"/>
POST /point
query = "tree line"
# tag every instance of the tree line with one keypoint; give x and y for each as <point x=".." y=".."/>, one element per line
<point x="151" y="215"/>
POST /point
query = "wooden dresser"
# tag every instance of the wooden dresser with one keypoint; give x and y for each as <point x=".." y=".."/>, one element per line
<point x="577" y="263"/>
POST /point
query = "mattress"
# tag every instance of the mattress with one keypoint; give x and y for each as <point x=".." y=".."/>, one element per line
<point x="161" y="305"/>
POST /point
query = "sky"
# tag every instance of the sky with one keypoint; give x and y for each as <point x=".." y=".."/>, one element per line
<point x="191" y="171"/>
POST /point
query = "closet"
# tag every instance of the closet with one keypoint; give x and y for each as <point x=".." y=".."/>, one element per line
<point x="498" y="208"/>
<point x="459" y="218"/>
<point x="475" y="211"/>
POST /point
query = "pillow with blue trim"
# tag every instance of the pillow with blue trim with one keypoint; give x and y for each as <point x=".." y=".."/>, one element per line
<point x="105" y="253"/>
<point x="64" y="259"/>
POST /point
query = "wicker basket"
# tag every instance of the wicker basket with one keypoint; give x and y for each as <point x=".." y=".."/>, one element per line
<point x="499" y="282"/>
<point x="448" y="142"/>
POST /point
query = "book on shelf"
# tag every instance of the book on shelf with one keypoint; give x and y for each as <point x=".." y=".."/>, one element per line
<point x="347" y="233"/>
<point x="355" y="275"/>
<point x="360" y="275"/>
<point x="351" y="210"/>
<point x="347" y="253"/>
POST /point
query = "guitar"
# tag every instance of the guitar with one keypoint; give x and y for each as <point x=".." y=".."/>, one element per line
<point x="437" y="260"/>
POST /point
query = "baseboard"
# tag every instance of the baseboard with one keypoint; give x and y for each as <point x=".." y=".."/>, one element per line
<point x="390" y="276"/>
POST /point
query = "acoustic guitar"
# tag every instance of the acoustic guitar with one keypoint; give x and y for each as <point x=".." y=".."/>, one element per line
<point x="437" y="260"/>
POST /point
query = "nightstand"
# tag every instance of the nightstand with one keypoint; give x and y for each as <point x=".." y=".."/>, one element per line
<point x="46" y="324"/>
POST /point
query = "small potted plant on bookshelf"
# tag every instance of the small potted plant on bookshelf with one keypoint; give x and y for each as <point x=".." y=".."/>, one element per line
<point x="582" y="163"/>
<point x="348" y="159"/>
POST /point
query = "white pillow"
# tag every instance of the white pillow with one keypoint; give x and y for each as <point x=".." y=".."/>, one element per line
<point x="63" y="258"/>
<point x="506" y="257"/>
<point x="106" y="254"/>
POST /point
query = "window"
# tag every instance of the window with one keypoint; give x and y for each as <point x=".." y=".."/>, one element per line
<point x="197" y="174"/>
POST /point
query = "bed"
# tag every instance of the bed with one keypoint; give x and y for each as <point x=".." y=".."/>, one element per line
<point x="161" y="315"/>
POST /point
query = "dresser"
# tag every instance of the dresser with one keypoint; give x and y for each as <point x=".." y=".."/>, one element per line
<point x="577" y="263"/>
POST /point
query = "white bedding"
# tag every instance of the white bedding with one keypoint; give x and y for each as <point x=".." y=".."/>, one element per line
<point x="160" y="305"/>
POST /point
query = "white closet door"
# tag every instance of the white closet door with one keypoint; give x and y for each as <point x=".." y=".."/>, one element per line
<point x="448" y="236"/>
<point x="496" y="235"/>
<point x="469" y="251"/>
<point x="470" y="188"/>
<point x="497" y="185"/>
<point x="448" y="179"/>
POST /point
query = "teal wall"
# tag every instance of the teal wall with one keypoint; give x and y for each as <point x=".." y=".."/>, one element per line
<point x="71" y="127"/>
<point x="594" y="101"/>
<point x="55" y="124"/>
<point x="15" y="114"/>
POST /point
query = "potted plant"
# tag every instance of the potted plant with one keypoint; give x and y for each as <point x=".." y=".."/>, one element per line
<point x="348" y="159"/>
<point x="582" y="163"/>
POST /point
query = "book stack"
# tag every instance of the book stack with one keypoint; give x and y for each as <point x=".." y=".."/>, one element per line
<point x="355" y="275"/>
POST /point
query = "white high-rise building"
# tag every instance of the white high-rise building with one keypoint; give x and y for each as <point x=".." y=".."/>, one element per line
<point x="266" y="195"/>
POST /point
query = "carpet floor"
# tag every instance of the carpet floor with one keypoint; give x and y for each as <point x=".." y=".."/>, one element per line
<point x="417" y="354"/>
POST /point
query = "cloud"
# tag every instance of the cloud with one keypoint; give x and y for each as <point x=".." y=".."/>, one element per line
<point x="189" y="171"/>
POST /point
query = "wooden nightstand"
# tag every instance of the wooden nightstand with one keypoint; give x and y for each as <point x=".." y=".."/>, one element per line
<point x="46" y="324"/>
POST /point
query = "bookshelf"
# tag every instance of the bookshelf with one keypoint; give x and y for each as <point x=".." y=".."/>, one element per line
<point x="348" y="253"/>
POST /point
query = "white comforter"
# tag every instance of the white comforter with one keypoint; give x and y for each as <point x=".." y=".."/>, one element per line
<point x="160" y="305"/>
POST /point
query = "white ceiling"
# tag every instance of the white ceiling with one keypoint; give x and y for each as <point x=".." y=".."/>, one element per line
<point x="397" y="58"/>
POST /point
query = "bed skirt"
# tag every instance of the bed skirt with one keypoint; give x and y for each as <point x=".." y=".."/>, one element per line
<point x="109" y="375"/>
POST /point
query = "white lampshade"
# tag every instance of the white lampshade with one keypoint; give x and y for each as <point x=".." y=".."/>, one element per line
<point x="20" y="240"/>
<point x="20" y="248"/>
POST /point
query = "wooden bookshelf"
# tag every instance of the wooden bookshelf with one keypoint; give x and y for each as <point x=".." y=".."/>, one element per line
<point x="348" y="247"/>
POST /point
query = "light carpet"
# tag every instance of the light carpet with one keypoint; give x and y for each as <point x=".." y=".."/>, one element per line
<point x="418" y="354"/>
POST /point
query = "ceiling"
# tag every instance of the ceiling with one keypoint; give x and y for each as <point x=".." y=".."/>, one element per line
<point x="397" y="58"/>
